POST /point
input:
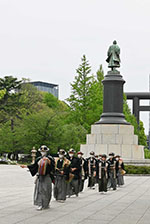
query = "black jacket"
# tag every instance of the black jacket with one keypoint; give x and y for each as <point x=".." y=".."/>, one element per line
<point x="60" y="165"/>
<point x="91" y="164"/>
<point x="75" y="163"/>
<point x="104" y="165"/>
<point x="111" y="163"/>
<point x="33" y="168"/>
<point x="83" y="163"/>
<point x="121" y="166"/>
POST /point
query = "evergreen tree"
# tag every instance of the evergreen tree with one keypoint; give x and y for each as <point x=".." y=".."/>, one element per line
<point x="79" y="99"/>
<point x="86" y="100"/>
<point x="96" y="96"/>
<point x="141" y="135"/>
<point x="11" y="86"/>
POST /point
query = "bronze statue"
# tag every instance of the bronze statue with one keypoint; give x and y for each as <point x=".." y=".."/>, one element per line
<point x="113" y="56"/>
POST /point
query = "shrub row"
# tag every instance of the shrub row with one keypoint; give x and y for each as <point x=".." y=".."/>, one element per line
<point x="131" y="169"/>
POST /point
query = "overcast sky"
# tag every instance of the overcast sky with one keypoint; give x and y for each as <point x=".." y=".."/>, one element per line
<point x="45" y="39"/>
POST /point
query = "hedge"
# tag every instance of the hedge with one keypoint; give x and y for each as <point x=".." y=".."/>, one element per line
<point x="131" y="169"/>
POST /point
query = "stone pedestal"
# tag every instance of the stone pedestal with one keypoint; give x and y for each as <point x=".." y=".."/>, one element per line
<point x="113" y="99"/>
<point x="117" y="138"/>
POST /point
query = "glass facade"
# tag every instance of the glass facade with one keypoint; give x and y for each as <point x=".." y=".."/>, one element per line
<point x="47" y="87"/>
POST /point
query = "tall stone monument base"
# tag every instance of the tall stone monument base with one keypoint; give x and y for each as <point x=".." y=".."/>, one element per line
<point x="117" y="138"/>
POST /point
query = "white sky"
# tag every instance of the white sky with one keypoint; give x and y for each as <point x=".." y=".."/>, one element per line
<point x="45" y="39"/>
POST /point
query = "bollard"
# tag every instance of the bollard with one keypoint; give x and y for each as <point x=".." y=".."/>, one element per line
<point x="33" y="154"/>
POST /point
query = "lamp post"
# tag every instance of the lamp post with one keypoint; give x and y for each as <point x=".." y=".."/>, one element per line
<point x="33" y="154"/>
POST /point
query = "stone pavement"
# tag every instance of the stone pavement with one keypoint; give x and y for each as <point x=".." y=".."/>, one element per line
<point x="128" y="205"/>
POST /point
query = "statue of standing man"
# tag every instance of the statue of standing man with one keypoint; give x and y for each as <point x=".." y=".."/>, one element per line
<point x="113" y="58"/>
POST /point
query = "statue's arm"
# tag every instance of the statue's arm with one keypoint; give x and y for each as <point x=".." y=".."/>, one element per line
<point x="118" y="51"/>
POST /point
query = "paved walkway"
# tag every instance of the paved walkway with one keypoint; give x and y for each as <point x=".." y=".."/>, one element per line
<point x="128" y="205"/>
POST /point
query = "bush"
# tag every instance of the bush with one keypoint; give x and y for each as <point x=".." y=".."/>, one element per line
<point x="147" y="154"/>
<point x="131" y="169"/>
<point x="3" y="162"/>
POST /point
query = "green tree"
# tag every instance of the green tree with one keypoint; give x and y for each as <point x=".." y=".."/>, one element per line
<point x="79" y="98"/>
<point x="52" y="102"/>
<point x="9" y="105"/>
<point x="141" y="135"/>
<point x="129" y="117"/>
<point x="30" y="97"/>
<point x="48" y="127"/>
<point x="86" y="97"/>
<point x="138" y="130"/>
<point x="11" y="86"/>
<point x="9" y="83"/>
<point x="96" y="97"/>
<point x="6" y="138"/>
<point x="70" y="136"/>
<point x="33" y="130"/>
<point x="18" y="99"/>
<point x="2" y="93"/>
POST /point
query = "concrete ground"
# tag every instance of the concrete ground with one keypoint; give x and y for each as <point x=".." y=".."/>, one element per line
<point x="128" y="205"/>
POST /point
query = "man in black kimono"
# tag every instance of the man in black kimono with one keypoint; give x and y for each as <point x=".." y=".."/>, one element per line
<point x="91" y="165"/>
<point x="120" y="171"/>
<point x="73" y="185"/>
<point x="96" y="157"/>
<point x="83" y="171"/>
<point x="62" y="169"/>
<point x="43" y="168"/>
<point x="101" y="173"/>
<point x="112" y="183"/>
<point x="99" y="156"/>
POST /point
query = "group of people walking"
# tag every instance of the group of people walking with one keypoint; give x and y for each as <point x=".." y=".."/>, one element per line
<point x="68" y="173"/>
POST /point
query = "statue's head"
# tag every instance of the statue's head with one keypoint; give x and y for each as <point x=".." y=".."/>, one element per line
<point x="114" y="42"/>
